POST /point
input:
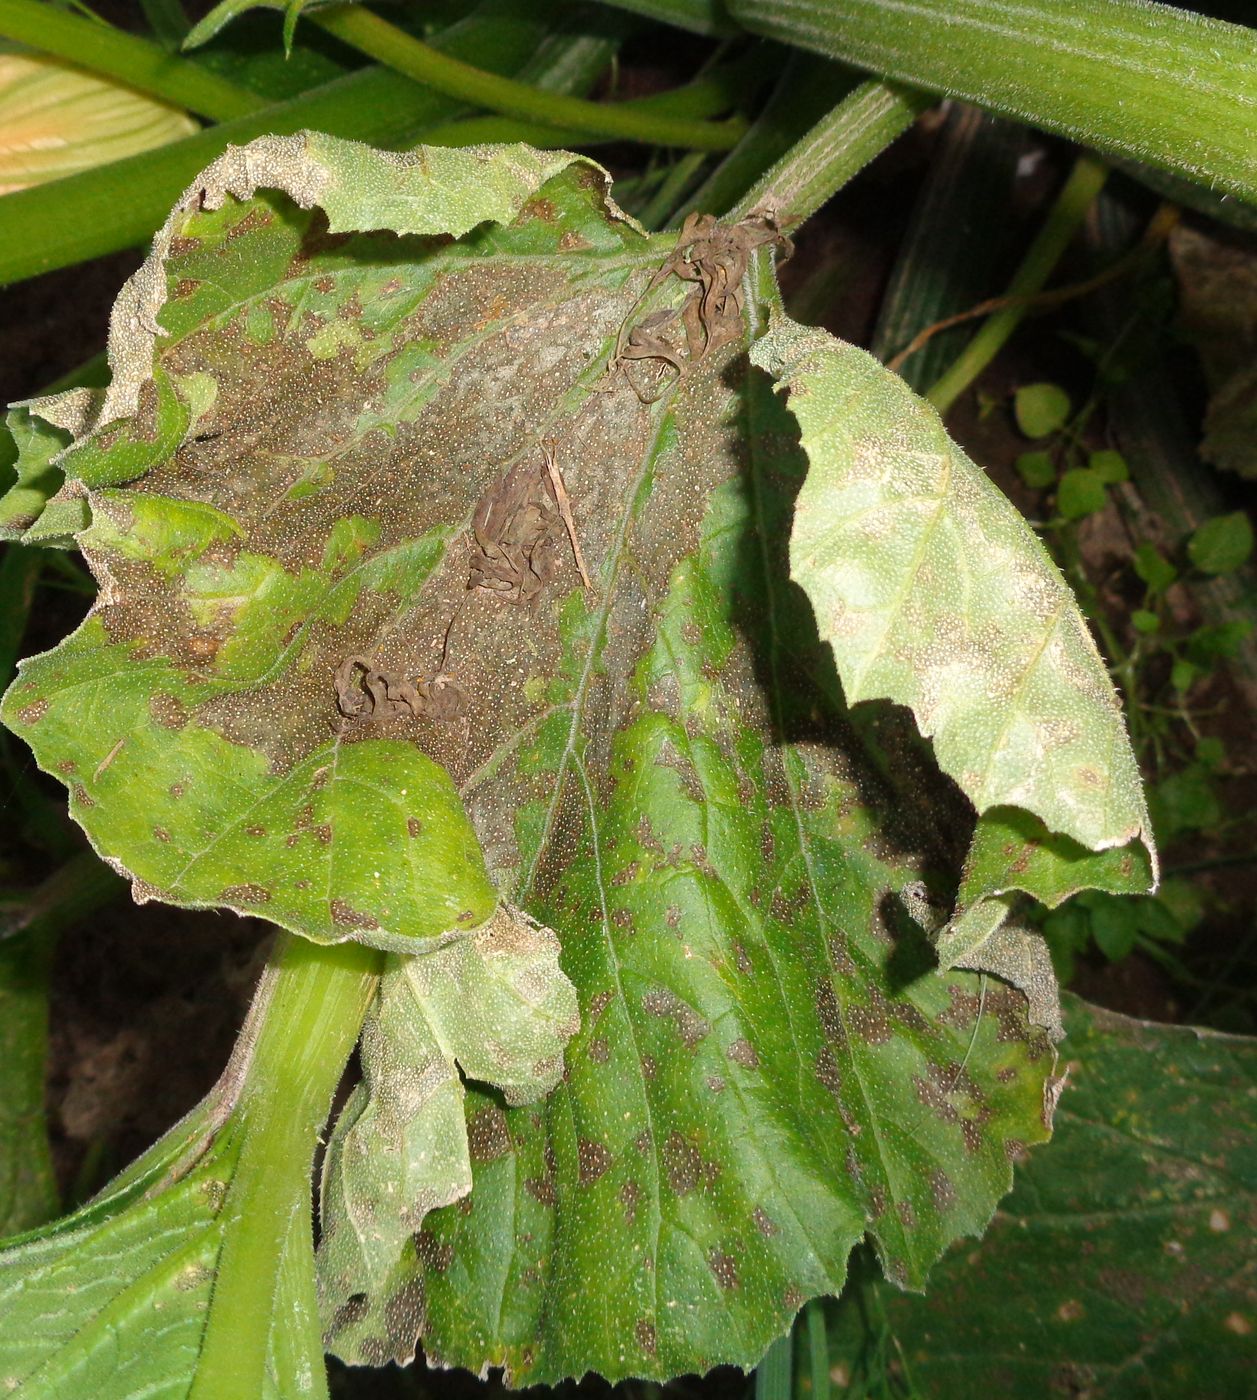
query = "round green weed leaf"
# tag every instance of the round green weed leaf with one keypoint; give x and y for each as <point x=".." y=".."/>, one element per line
<point x="1041" y="409"/>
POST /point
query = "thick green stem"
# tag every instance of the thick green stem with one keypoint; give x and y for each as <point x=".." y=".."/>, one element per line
<point x="1085" y="182"/>
<point x="705" y="97"/>
<point x="137" y="62"/>
<point x="371" y="35"/>
<point x="841" y="144"/>
<point x="306" y="1020"/>
<point x="1127" y="77"/>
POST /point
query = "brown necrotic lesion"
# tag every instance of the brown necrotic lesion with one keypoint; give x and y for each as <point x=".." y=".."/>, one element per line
<point x="517" y="534"/>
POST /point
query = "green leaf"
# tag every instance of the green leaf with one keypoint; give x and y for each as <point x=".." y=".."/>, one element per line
<point x="495" y="1006"/>
<point x="1152" y="567"/>
<point x="335" y="451"/>
<point x="1041" y="409"/>
<point x="1186" y="801"/>
<point x="1109" y="466"/>
<point x="227" y="10"/>
<point x="1121" y="1264"/>
<point x="1144" y="621"/>
<point x="1036" y="469"/>
<point x="1222" y="641"/>
<point x="1115" y="923"/>
<point x="30" y="476"/>
<point x="1081" y="493"/>
<point x="1221" y="545"/>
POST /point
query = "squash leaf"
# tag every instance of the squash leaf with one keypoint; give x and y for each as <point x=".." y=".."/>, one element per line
<point x="432" y="496"/>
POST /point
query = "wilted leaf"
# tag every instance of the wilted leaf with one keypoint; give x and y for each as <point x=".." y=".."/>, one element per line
<point x="347" y="543"/>
<point x="495" y="1006"/>
<point x="1121" y="1266"/>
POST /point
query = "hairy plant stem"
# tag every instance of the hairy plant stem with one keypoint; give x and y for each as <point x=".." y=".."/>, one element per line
<point x="385" y="42"/>
<point x="840" y="145"/>
<point x="1127" y="77"/>
<point x="304" y="1023"/>
<point x="1085" y="181"/>
<point x="129" y="59"/>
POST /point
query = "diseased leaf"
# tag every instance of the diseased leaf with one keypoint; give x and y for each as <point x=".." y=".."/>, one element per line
<point x="378" y="509"/>
<point x="494" y="1005"/>
<point x="933" y="592"/>
<point x="175" y="714"/>
<point x="1121" y="1266"/>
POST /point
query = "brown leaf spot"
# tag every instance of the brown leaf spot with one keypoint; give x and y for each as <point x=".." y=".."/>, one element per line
<point x="322" y="833"/>
<point x="599" y="1003"/>
<point x="352" y="1310"/>
<point x="630" y="1194"/>
<point x="184" y="287"/>
<point x="346" y="917"/>
<point x="255" y="831"/>
<point x="599" y="1050"/>
<point x="177" y="790"/>
<point x="245" y="894"/>
<point x="941" y="1189"/>
<point x="724" y="1268"/>
<point x="67" y="765"/>
<point x="715" y="1084"/>
<point x="870" y="1025"/>
<point x="541" y="1188"/>
<point x="34" y="712"/>
<point x="743" y="1053"/>
<point x="683" y="1163"/>
<point x="414" y="826"/>
<point x="646" y="1336"/>
<point x="168" y="711"/>
<point x="649" y="1067"/>
<point x="161" y="834"/>
<point x="594" y="1158"/>
<point x="403" y="1319"/>
<point x="764" y="1223"/>
<point x="690" y="1026"/>
<point x="907" y="1214"/>
<point x="488" y="1136"/>
<point x="435" y="1253"/>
